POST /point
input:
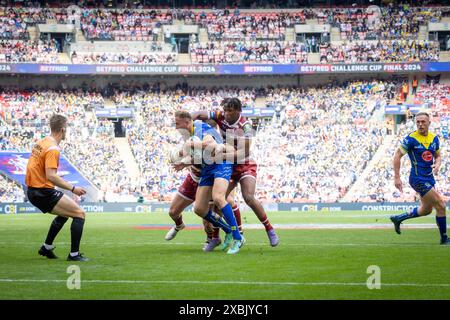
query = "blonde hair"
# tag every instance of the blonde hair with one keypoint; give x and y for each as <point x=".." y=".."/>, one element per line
<point x="183" y="114"/>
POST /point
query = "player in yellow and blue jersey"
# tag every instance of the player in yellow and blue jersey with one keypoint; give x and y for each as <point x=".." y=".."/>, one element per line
<point x="423" y="150"/>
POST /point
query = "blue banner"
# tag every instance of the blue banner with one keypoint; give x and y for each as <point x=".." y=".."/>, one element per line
<point x="232" y="69"/>
<point x="14" y="166"/>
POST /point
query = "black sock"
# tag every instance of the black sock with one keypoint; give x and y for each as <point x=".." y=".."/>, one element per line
<point x="76" y="230"/>
<point x="55" y="227"/>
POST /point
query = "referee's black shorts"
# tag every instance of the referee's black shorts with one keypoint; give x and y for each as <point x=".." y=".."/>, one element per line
<point x="45" y="199"/>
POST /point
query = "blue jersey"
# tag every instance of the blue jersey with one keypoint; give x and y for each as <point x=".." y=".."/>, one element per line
<point x="210" y="172"/>
<point x="421" y="151"/>
<point x="201" y="129"/>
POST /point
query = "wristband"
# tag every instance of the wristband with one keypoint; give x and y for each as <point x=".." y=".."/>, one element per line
<point x="73" y="188"/>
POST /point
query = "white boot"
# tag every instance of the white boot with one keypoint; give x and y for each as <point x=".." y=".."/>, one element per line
<point x="173" y="232"/>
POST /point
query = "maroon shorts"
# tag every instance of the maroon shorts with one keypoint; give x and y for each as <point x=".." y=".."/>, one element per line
<point x="244" y="170"/>
<point x="188" y="189"/>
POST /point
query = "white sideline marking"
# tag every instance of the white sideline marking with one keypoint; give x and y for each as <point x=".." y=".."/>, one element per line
<point x="267" y="283"/>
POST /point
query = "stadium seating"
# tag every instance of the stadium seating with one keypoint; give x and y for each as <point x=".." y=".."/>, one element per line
<point x="380" y="51"/>
<point x="26" y="116"/>
<point x="338" y="120"/>
<point x="345" y="129"/>
<point x="393" y="22"/>
<point x="10" y="191"/>
<point x="14" y="51"/>
<point x="388" y="35"/>
<point x="125" y="58"/>
<point x="249" y="52"/>
<point x="379" y="186"/>
<point x="129" y="25"/>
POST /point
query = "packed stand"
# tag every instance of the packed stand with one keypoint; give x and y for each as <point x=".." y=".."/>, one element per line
<point x="391" y="22"/>
<point x="224" y="25"/>
<point x="12" y="26"/>
<point x="134" y="25"/>
<point x="379" y="184"/>
<point x="380" y="51"/>
<point x="10" y="191"/>
<point x="15" y="51"/>
<point x="124" y="58"/>
<point x="249" y="52"/>
<point x="323" y="140"/>
<point x="89" y="143"/>
<point x="323" y="137"/>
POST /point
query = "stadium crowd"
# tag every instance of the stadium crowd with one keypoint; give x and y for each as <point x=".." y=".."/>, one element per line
<point x="12" y="26"/>
<point x="247" y="26"/>
<point x="249" y="52"/>
<point x="27" y="51"/>
<point x="100" y="24"/>
<point x="323" y="137"/>
<point x="340" y="121"/>
<point x="10" y="191"/>
<point x="128" y="58"/>
<point x="390" y="22"/>
<point x="90" y="142"/>
<point x="335" y="121"/>
<point x="380" y="51"/>
<point x="389" y="34"/>
<point x="378" y="186"/>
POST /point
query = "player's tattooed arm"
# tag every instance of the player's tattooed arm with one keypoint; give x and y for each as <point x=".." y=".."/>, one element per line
<point x="200" y="115"/>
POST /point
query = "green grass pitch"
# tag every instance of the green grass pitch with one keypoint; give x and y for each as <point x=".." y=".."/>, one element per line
<point x="127" y="263"/>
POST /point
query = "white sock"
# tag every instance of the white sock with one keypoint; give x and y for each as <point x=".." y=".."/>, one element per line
<point x="73" y="254"/>
<point x="48" y="246"/>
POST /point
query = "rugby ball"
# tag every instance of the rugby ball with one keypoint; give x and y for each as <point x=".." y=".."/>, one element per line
<point x="175" y="155"/>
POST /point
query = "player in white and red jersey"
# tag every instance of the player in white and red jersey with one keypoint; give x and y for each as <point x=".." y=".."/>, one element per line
<point x="238" y="131"/>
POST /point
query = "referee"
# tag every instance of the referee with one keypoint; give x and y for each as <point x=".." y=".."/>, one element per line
<point x="41" y="179"/>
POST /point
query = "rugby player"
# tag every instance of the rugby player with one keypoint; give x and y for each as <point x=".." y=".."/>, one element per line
<point x="185" y="196"/>
<point x="423" y="150"/>
<point x="236" y="130"/>
<point x="214" y="178"/>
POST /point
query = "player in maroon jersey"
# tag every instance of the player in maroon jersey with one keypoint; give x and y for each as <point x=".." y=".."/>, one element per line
<point x="238" y="131"/>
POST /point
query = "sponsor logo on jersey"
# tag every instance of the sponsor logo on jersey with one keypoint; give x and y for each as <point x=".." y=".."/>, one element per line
<point x="427" y="156"/>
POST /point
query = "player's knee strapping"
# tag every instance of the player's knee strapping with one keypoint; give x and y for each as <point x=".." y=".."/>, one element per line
<point x="414" y="213"/>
